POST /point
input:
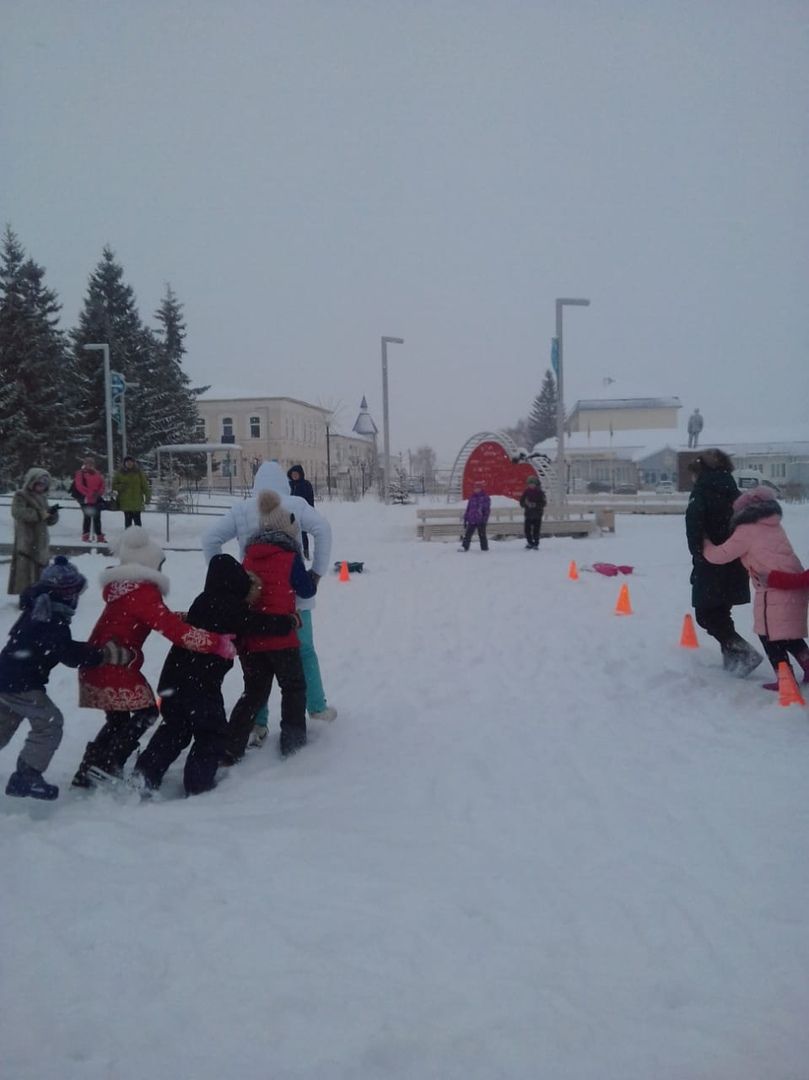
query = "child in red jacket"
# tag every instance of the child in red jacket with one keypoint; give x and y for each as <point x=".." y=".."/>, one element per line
<point x="274" y="557"/>
<point x="133" y="593"/>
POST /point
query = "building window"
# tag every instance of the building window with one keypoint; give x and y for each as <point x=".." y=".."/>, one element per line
<point x="255" y="427"/>
<point x="227" y="429"/>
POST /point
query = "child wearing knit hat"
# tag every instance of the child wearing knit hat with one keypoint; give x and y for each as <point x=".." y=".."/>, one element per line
<point x="39" y="640"/>
<point x="274" y="556"/>
<point x="133" y="593"/>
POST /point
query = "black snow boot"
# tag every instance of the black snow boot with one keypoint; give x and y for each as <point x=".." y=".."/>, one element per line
<point x="740" y="658"/>
<point x="29" y="782"/>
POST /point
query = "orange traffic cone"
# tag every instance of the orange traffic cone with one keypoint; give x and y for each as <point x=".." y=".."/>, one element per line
<point x="344" y="571"/>
<point x="688" y="638"/>
<point x="788" y="692"/>
<point x="624" y="606"/>
<point x="573" y="571"/>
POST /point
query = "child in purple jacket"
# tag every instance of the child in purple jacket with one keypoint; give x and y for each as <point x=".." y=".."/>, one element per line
<point x="475" y="517"/>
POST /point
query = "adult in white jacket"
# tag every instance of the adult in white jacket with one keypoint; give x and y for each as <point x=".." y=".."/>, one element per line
<point x="241" y="522"/>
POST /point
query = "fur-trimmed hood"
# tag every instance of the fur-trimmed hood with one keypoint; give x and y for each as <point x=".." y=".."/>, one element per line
<point x="134" y="574"/>
<point x="755" y="505"/>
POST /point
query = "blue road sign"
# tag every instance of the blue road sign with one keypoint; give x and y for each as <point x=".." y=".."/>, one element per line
<point x="117" y="384"/>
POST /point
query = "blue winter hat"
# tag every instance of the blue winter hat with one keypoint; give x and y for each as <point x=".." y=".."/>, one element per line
<point x="63" y="581"/>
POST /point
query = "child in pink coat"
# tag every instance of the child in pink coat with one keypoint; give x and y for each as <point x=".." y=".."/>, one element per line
<point x="759" y="540"/>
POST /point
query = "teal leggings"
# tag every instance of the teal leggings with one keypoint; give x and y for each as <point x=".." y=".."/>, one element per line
<point x="315" y="697"/>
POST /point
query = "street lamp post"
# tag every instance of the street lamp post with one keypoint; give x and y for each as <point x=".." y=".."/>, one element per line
<point x="386" y="436"/>
<point x="105" y="349"/>
<point x="561" y="478"/>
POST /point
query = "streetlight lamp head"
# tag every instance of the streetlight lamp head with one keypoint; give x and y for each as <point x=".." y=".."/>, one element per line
<point x="394" y="340"/>
<point x="574" y="301"/>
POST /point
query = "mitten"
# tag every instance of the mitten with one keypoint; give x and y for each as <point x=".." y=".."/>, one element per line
<point x="117" y="655"/>
<point x="225" y="647"/>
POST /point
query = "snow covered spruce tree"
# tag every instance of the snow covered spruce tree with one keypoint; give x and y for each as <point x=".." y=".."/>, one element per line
<point x="176" y="398"/>
<point x="542" y="421"/>
<point x="160" y="408"/>
<point x="399" y="491"/>
<point x="34" y="368"/>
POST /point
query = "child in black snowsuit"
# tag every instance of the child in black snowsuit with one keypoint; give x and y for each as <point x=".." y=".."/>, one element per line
<point x="39" y="640"/>
<point x="190" y="685"/>
<point x="532" y="501"/>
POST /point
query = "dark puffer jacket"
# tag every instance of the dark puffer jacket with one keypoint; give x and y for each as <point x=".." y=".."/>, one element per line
<point x="220" y="608"/>
<point x="707" y="517"/>
<point x="301" y="486"/>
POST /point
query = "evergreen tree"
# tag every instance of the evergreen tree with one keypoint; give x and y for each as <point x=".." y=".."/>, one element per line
<point x="177" y="413"/>
<point x="398" y="489"/>
<point x="542" y="421"/>
<point x="110" y="317"/>
<point x="34" y="373"/>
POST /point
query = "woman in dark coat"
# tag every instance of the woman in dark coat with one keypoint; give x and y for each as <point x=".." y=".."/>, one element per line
<point x="299" y="485"/>
<point x="716" y="589"/>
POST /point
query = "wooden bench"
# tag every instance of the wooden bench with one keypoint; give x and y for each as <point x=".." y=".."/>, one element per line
<point x="447" y="522"/>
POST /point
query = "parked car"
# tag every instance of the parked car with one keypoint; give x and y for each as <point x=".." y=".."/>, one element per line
<point x="626" y="489"/>
<point x="751" y="478"/>
<point x="665" y="487"/>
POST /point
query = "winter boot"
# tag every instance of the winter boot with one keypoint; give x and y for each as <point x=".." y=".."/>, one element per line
<point x="326" y="713"/>
<point x="291" y="742"/>
<point x="740" y="658"/>
<point x="258" y="735"/>
<point x="29" y="782"/>
<point x="803" y="660"/>
<point x="85" y="537"/>
<point x="101" y="538"/>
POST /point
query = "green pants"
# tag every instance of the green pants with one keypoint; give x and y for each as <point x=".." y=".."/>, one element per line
<point x="315" y="696"/>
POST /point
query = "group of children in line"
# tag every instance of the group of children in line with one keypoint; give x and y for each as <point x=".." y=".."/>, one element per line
<point x="253" y="604"/>
<point x="256" y="603"/>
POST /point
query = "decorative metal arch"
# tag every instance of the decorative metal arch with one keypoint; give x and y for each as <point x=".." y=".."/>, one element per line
<point x="542" y="464"/>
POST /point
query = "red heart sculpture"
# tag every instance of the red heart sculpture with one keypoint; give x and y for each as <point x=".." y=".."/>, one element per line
<point x="490" y="464"/>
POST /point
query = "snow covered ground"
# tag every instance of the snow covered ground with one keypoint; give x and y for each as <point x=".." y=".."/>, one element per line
<point x="540" y="841"/>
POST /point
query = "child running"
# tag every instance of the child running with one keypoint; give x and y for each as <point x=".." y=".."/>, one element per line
<point x="39" y="640"/>
<point x="759" y="540"/>
<point x="274" y="556"/>
<point x="190" y="685"/>
<point x="133" y="593"/>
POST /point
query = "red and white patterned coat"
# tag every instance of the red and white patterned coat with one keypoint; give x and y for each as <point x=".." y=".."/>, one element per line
<point x="134" y="607"/>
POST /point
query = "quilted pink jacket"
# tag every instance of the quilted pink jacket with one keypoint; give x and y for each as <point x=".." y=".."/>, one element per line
<point x="762" y="544"/>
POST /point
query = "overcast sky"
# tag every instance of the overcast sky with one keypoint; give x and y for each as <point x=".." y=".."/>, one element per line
<point x="311" y="175"/>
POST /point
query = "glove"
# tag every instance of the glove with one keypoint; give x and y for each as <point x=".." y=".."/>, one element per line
<point x="315" y="578"/>
<point x="225" y="647"/>
<point x="117" y="655"/>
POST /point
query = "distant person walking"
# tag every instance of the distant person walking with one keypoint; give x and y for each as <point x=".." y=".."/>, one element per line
<point x="88" y="484"/>
<point x="476" y="517"/>
<point x="300" y="486"/>
<point x="32" y="515"/>
<point x="132" y="489"/>
<point x="533" y="502"/>
<point x="716" y="589"/>
<point x="695" y="425"/>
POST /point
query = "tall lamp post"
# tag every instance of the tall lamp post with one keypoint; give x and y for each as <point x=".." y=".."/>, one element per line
<point x="105" y="349"/>
<point x="386" y="431"/>
<point x="561" y="479"/>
